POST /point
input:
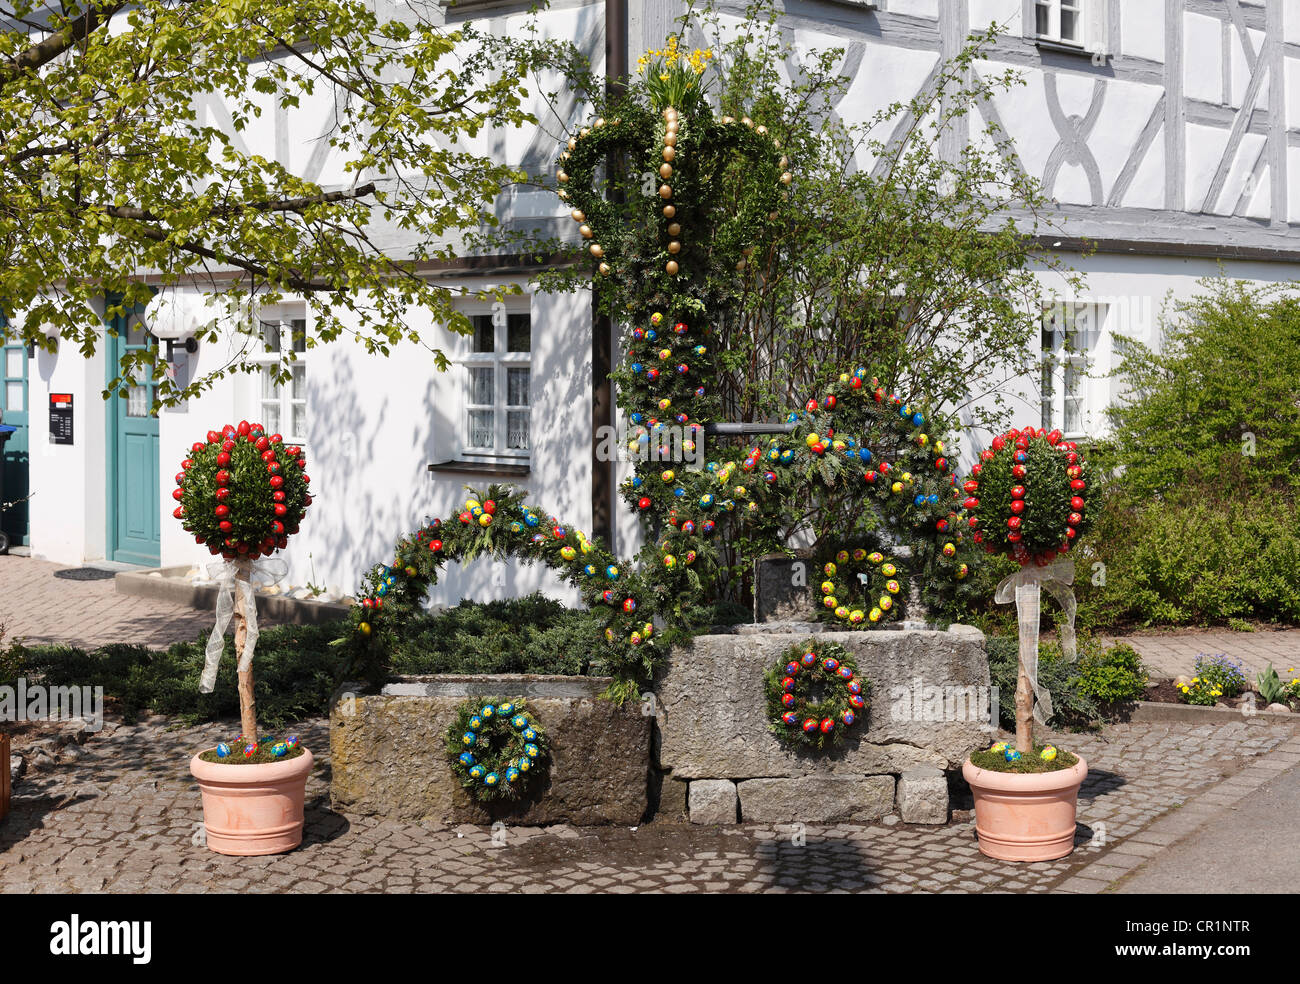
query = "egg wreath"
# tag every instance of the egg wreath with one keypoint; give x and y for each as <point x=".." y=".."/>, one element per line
<point x="497" y="749"/>
<point x="848" y="599"/>
<point x="798" y="714"/>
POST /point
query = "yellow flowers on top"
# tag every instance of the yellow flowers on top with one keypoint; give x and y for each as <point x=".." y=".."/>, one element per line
<point x="673" y="57"/>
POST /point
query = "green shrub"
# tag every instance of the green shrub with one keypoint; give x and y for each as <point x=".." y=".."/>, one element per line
<point x="1195" y="558"/>
<point x="299" y="667"/>
<point x="1112" y="676"/>
<point x="1071" y="705"/>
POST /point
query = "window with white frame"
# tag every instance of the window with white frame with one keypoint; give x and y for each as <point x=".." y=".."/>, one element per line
<point x="282" y="406"/>
<point x="1070" y="333"/>
<point x="498" y="397"/>
<point x="1081" y="24"/>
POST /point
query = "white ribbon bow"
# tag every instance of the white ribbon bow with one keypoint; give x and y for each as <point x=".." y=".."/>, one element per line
<point x="226" y="574"/>
<point x="1024" y="587"/>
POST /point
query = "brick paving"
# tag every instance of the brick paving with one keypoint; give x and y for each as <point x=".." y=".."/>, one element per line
<point x="120" y="813"/>
<point x="39" y="608"/>
<point x="1169" y="654"/>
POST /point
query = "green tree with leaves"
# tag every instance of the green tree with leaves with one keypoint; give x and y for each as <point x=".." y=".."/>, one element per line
<point x="124" y="166"/>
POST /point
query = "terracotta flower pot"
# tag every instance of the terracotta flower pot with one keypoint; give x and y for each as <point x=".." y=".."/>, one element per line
<point x="253" y="809"/>
<point x="1025" y="817"/>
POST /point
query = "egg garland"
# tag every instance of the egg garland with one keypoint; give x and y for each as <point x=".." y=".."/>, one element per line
<point x="795" y="717"/>
<point x="844" y="599"/>
<point x="242" y="492"/>
<point x="497" y="749"/>
<point x="1027" y="496"/>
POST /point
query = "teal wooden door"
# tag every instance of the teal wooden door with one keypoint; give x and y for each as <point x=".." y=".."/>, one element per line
<point x="134" y="523"/>
<point x="14" y="460"/>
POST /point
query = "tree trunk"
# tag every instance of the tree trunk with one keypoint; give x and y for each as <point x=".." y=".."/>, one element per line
<point x="1027" y="613"/>
<point x="1024" y="712"/>
<point x="244" y="596"/>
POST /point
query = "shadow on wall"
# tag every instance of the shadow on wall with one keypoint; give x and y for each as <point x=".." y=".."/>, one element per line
<point x="371" y="447"/>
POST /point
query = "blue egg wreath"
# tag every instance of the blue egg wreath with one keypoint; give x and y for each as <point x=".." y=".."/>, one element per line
<point x="497" y="749"/>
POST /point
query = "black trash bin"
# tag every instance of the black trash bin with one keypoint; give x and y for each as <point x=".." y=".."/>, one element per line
<point x="5" y="431"/>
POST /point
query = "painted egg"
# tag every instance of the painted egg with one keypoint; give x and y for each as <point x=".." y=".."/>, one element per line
<point x="889" y="570"/>
<point x="787" y="700"/>
<point x="854" y="687"/>
<point x="848" y="717"/>
<point x="1048" y="754"/>
<point x="830" y="664"/>
<point x="223" y="750"/>
<point x="790" y="717"/>
<point x="611" y="572"/>
<point x="841" y="612"/>
<point x="875" y="557"/>
<point x="475" y="722"/>
<point x="856" y="701"/>
<point x="279" y="749"/>
<point x="466" y="759"/>
<point x="787" y="683"/>
<point x="845" y="672"/>
<point x="791" y="668"/>
<point x="519" y="721"/>
<point x="827" y="587"/>
<point x="477" y="772"/>
<point x="708" y="526"/>
<point x="486" y="711"/>
<point x="885" y="603"/>
<point x="629" y="605"/>
<point x="530" y="734"/>
<point x="491" y="779"/>
<point x="874" y="615"/>
<point x="829" y="569"/>
<point x="808" y="658"/>
<point x="857" y="616"/>
<point x="1011" y="755"/>
<point x="505" y="710"/>
<point x="468" y="738"/>
<point x="859" y="555"/>
<point x="532" y="751"/>
<point x="827" y="725"/>
<point x="830" y="601"/>
<point x="568" y="553"/>
<point x="810" y="725"/>
<point x="892" y="587"/>
<point x="511" y="774"/>
<point x="657" y="319"/>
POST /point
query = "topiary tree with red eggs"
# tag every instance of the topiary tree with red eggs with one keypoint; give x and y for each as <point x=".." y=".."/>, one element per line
<point x="1027" y="499"/>
<point x="242" y="494"/>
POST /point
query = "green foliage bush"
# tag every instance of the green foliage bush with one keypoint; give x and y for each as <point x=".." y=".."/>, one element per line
<point x="299" y="667"/>
<point x="1195" y="558"/>
<point x="1112" y="676"/>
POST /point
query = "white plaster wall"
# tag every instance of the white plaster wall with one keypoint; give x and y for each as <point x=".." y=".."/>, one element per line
<point x="1006" y="13"/>
<point x="1142" y="29"/>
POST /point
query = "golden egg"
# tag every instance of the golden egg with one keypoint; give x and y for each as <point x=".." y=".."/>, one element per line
<point x="674" y="247"/>
<point x="776" y="143"/>
<point x="670" y="113"/>
<point x="670" y="211"/>
<point x="671" y="267"/>
<point x="573" y="144"/>
<point x="786" y="178"/>
<point x="785" y="162"/>
<point x="665" y="191"/>
<point x="578" y="215"/>
<point x="585" y="230"/>
<point x="747" y="121"/>
<point x="561" y="177"/>
<point x="740" y="265"/>
<point x="670" y="140"/>
<point x="604" y="269"/>
<point x="728" y="119"/>
<point x="585" y="131"/>
<point x="596" y="250"/>
<point x="675" y="229"/>
<point x="665" y="171"/>
<point x="761" y="131"/>
<point x="669" y="153"/>
<point x="562" y="195"/>
<point x="600" y="121"/>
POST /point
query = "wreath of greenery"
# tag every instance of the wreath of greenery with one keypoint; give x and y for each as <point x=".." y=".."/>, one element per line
<point x="847" y="600"/>
<point x="242" y="492"/>
<point x="497" y="749"/>
<point x="1026" y="496"/>
<point x="798" y="716"/>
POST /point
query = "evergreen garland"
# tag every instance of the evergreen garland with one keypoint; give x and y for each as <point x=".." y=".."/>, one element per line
<point x="815" y="694"/>
<point x="497" y="749"/>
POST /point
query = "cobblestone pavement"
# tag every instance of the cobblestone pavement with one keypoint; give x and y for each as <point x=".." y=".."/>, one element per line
<point x="1169" y="654"/>
<point x="39" y="608"/>
<point x="120" y="813"/>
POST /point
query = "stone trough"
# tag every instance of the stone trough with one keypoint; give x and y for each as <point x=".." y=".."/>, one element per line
<point x="388" y="755"/>
<point x="700" y="749"/>
<point x="718" y="762"/>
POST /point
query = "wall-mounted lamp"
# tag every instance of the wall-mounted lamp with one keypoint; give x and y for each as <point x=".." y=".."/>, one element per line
<point x="176" y="317"/>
